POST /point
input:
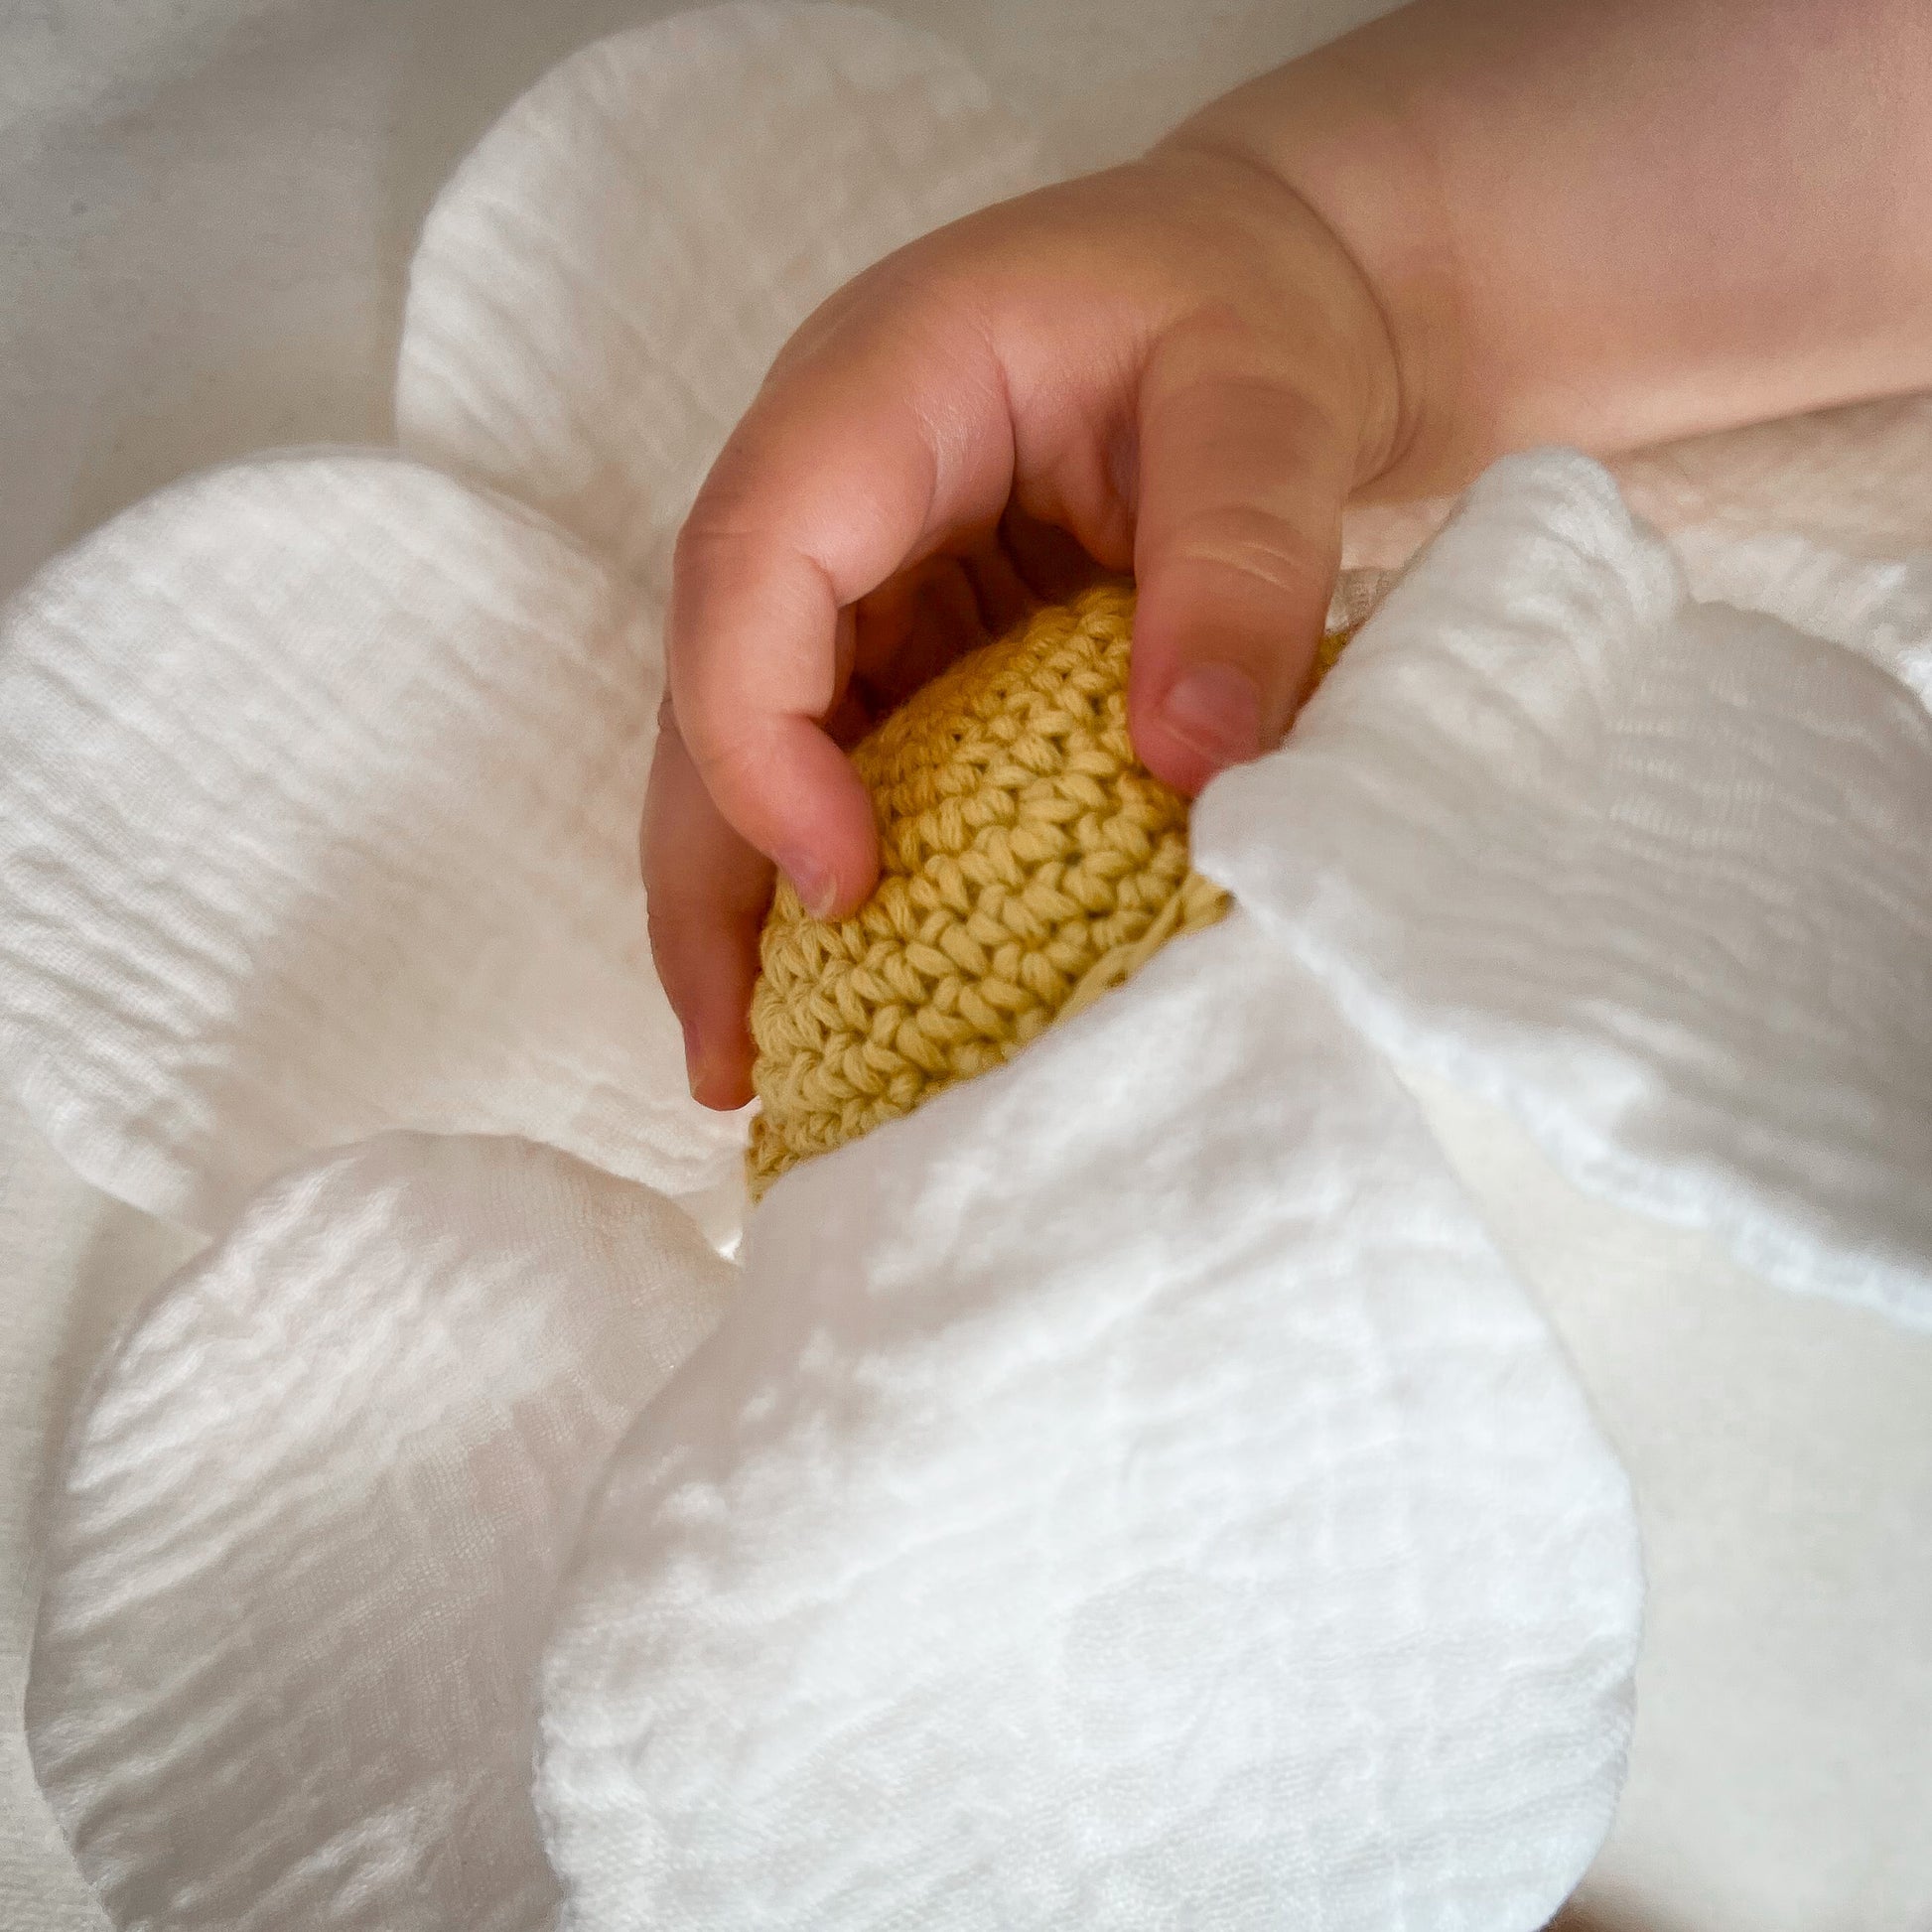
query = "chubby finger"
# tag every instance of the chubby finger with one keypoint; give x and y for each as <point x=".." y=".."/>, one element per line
<point x="1237" y="544"/>
<point x="706" y="893"/>
<point x="857" y="458"/>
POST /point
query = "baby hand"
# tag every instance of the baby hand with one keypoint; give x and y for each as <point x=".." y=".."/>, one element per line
<point x="1173" y="367"/>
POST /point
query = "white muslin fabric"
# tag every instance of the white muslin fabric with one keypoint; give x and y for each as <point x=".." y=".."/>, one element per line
<point x="1650" y="872"/>
<point x="1133" y="1491"/>
<point x="601" y="288"/>
<point x="319" y="783"/>
<point x="1420" y="1520"/>
<point x="1880" y="608"/>
<point x="1848" y="482"/>
<point x="74" y="1264"/>
<point x="1129" y="1491"/>
<point x="300" y="1566"/>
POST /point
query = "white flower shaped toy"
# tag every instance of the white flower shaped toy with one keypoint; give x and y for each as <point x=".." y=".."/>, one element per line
<point x="1132" y="1490"/>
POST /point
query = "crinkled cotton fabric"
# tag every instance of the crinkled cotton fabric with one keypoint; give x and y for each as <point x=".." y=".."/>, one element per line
<point x="582" y="337"/>
<point x="314" y="1511"/>
<point x="1129" y="1491"/>
<point x="56" y="1233"/>
<point x="290" y="757"/>
<point x="364" y="956"/>
<point x="302" y="1441"/>
<point x="1650" y="872"/>
<point x="341" y="1676"/>
<point x="1849" y="482"/>
<point x="1881" y="609"/>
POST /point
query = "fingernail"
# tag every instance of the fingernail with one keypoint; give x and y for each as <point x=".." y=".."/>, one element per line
<point x="1216" y="709"/>
<point x="817" y="890"/>
<point x="693" y="1061"/>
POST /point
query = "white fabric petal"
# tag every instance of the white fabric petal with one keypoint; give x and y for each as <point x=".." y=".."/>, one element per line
<point x="1851" y="480"/>
<point x="1128" y="1492"/>
<point x="302" y="1562"/>
<point x="74" y="1263"/>
<point x="1882" y="609"/>
<point x="318" y="788"/>
<point x="1650" y="873"/>
<point x="1781" y="1450"/>
<point x="599" y="288"/>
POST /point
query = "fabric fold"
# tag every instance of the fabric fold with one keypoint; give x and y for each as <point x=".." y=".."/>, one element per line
<point x="1648" y="872"/>
<point x="301" y="1562"/>
<point x="319" y="792"/>
<point x="599" y="288"/>
<point x="1128" y="1492"/>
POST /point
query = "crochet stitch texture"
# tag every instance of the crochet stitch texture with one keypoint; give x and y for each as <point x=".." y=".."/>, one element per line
<point x="1027" y="862"/>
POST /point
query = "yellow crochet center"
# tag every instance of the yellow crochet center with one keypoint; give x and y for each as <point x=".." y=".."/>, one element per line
<point x="1027" y="862"/>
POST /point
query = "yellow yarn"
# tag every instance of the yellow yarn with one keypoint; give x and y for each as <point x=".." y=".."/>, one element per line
<point x="1027" y="862"/>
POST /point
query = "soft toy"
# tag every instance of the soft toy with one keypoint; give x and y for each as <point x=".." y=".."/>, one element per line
<point x="1027" y="862"/>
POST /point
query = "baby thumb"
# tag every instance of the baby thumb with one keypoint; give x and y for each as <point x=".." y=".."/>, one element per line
<point x="1237" y="543"/>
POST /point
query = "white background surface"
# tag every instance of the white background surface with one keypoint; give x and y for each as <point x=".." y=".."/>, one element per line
<point x="206" y="209"/>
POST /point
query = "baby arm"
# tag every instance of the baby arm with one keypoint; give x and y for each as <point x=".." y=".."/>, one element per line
<point x="1472" y="226"/>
